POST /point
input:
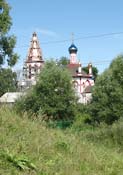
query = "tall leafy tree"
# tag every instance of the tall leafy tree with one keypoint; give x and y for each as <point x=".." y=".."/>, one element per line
<point x="8" y="81"/>
<point x="7" y="42"/>
<point x="63" y="61"/>
<point x="53" y="95"/>
<point x="107" y="103"/>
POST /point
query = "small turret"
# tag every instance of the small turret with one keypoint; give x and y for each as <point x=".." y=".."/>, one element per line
<point x="79" y="68"/>
<point x="90" y="68"/>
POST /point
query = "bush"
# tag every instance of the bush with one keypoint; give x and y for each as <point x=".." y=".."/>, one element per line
<point x="81" y="122"/>
<point x="109" y="135"/>
<point x="107" y="100"/>
<point x="53" y="96"/>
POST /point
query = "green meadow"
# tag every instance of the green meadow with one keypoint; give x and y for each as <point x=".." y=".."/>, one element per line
<point x="29" y="147"/>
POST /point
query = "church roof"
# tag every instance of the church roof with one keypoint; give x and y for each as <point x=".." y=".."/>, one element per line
<point x="34" y="52"/>
<point x="73" y="69"/>
<point x="72" y="48"/>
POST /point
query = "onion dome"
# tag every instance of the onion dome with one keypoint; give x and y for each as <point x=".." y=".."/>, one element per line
<point x="72" y="49"/>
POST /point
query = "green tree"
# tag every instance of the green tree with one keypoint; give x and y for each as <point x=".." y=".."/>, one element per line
<point x="7" y="42"/>
<point x="7" y="55"/>
<point x="107" y="103"/>
<point x="63" y="61"/>
<point x="53" y="96"/>
<point x="8" y="81"/>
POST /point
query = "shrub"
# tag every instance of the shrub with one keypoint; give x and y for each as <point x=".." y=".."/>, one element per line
<point x="53" y="96"/>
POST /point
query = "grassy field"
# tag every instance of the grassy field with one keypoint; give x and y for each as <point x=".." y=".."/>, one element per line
<point x="28" y="147"/>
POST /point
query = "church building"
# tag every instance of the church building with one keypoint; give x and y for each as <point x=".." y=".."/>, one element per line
<point x="33" y="64"/>
<point x="82" y="81"/>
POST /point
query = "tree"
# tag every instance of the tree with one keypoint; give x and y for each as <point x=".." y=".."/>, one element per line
<point x="7" y="42"/>
<point x="53" y="95"/>
<point x="8" y="81"/>
<point x="63" y="61"/>
<point x="107" y="103"/>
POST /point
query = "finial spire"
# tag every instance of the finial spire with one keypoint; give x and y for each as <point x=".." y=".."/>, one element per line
<point x="72" y="37"/>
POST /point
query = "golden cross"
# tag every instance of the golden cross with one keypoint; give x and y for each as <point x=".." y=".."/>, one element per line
<point x="72" y="37"/>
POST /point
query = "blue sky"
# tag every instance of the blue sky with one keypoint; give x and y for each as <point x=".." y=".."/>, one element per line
<point x="56" y="20"/>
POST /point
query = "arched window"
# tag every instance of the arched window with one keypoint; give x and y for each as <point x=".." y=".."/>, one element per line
<point x="29" y="71"/>
<point x="87" y="83"/>
<point x="75" y="84"/>
<point x="35" y="67"/>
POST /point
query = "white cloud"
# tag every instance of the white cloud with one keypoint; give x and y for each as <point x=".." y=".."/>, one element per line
<point x="47" y="32"/>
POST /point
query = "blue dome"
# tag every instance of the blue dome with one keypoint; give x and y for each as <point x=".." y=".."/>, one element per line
<point x="72" y="49"/>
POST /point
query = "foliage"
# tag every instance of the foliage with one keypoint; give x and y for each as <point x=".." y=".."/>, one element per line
<point x="7" y="43"/>
<point x="94" y="71"/>
<point x="108" y="134"/>
<point x="8" y="81"/>
<point x="21" y="162"/>
<point x="107" y="100"/>
<point x="53" y="96"/>
<point x="55" y="151"/>
<point x="63" y="61"/>
<point x="82" y="117"/>
<point x="80" y="123"/>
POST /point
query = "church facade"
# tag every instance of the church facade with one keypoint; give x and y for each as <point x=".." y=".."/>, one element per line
<point x="82" y="81"/>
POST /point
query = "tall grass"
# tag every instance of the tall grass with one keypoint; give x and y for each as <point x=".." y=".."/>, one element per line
<point x="28" y="147"/>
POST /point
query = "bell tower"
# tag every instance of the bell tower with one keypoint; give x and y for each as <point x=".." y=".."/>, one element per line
<point x="34" y="60"/>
